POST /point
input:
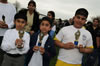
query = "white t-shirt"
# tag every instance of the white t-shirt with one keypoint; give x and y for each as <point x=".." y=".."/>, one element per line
<point x="9" y="11"/>
<point x="8" y="43"/>
<point x="66" y="34"/>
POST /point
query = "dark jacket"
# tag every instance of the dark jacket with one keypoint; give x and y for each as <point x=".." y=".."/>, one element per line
<point x="35" y="25"/>
<point x="94" y="34"/>
<point x="49" y="47"/>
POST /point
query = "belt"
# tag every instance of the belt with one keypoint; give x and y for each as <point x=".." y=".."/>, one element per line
<point x="14" y="55"/>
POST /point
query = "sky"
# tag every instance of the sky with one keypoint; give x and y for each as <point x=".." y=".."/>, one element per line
<point x="64" y="9"/>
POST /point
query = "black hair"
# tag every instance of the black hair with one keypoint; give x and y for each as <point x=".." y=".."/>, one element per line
<point x="20" y="15"/>
<point x="82" y="11"/>
<point x="96" y="19"/>
<point x="47" y="19"/>
<point x="52" y="13"/>
<point x="33" y="2"/>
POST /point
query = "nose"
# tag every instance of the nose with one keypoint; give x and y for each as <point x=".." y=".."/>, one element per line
<point x="80" y="19"/>
<point x="20" y="24"/>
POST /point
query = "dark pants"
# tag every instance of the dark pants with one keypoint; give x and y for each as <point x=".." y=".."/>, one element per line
<point x="90" y="59"/>
<point x="1" y="51"/>
<point x="98" y="56"/>
<point x="13" y="61"/>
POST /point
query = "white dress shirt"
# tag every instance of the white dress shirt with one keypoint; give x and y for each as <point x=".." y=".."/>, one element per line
<point x="8" y="43"/>
<point x="9" y="11"/>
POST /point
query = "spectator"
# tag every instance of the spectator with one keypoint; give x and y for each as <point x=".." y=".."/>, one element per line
<point x="32" y="17"/>
<point x="7" y="12"/>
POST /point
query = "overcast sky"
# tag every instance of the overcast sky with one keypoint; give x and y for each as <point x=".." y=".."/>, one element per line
<point x="64" y="9"/>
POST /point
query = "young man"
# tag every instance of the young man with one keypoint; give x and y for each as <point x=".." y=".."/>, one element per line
<point x="93" y="30"/>
<point x="74" y="41"/>
<point x="7" y="12"/>
<point x="98" y="44"/>
<point x="16" y="43"/>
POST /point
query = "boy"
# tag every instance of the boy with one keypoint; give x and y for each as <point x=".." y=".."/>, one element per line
<point x="16" y="44"/>
<point x="41" y="45"/>
<point x="73" y="41"/>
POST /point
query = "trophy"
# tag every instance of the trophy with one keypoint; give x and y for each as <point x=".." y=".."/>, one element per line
<point x="41" y="35"/>
<point x="3" y="18"/>
<point x="77" y="35"/>
<point x="21" y="34"/>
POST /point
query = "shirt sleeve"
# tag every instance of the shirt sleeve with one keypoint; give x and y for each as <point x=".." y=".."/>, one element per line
<point x="89" y="42"/>
<point x="59" y="36"/>
<point x="7" y="43"/>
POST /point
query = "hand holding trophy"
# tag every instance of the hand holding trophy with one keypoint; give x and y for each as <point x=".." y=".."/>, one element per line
<point x="3" y="23"/>
<point x="19" y="42"/>
<point x="77" y="35"/>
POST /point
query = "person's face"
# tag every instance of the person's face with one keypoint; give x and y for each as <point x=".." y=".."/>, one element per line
<point x="79" y="21"/>
<point x="31" y="7"/>
<point x="95" y="23"/>
<point x="20" y="23"/>
<point x="45" y="27"/>
<point x="49" y="15"/>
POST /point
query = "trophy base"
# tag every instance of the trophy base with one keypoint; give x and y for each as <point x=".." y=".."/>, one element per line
<point x="76" y="42"/>
<point x="39" y="44"/>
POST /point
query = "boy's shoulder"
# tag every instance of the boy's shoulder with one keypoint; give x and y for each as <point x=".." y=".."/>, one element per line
<point x="27" y="34"/>
<point x="10" y="30"/>
<point x="86" y="32"/>
<point x="66" y="28"/>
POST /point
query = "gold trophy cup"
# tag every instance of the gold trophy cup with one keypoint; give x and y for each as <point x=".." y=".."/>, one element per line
<point x="41" y="35"/>
<point x="21" y="34"/>
<point x="77" y="35"/>
<point x="3" y="18"/>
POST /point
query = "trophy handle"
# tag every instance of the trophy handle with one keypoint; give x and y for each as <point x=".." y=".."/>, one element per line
<point x="3" y="18"/>
<point x="77" y="35"/>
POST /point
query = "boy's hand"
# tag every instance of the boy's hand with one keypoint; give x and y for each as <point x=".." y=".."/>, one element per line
<point x="19" y="43"/>
<point x="3" y="25"/>
<point x="35" y="48"/>
<point x="69" y="45"/>
<point x="81" y="48"/>
<point x="42" y="50"/>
